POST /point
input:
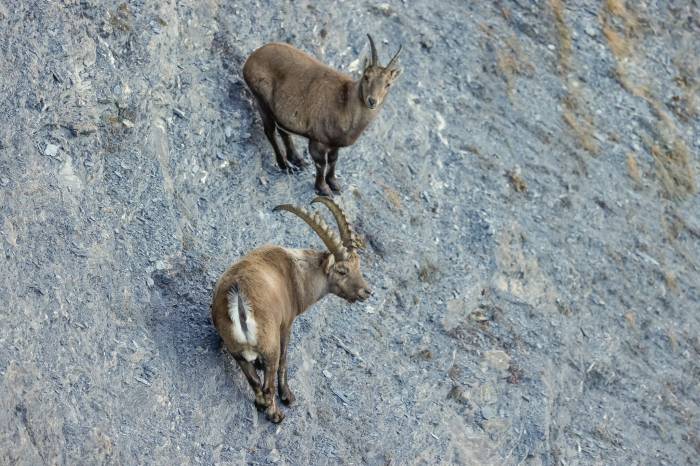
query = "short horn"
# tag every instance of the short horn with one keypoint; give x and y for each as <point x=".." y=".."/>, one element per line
<point x="332" y="242"/>
<point x="347" y="235"/>
<point x="375" y="57"/>
<point x="396" y="55"/>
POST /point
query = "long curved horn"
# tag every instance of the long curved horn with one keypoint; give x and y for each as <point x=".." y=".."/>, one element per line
<point x="347" y="235"/>
<point x="330" y="239"/>
<point x="375" y="57"/>
<point x="396" y="55"/>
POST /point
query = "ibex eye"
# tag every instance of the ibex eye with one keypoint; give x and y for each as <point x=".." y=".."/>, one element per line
<point x="366" y="78"/>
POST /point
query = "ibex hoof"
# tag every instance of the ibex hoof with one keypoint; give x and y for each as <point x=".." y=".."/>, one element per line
<point x="260" y="405"/>
<point x="297" y="161"/>
<point x="324" y="190"/>
<point x="290" y="169"/>
<point x="276" y="416"/>
<point x="287" y="397"/>
<point x="333" y="184"/>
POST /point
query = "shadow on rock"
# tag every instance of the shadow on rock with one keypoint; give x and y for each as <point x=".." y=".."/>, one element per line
<point x="180" y="320"/>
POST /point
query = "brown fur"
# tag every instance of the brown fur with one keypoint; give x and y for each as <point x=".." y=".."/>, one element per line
<point x="279" y="284"/>
<point x="298" y="94"/>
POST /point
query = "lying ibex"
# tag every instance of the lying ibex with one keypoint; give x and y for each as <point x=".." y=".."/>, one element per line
<point x="258" y="298"/>
<point x="298" y="94"/>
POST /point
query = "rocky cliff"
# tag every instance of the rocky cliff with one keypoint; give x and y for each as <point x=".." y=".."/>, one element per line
<point x="529" y="195"/>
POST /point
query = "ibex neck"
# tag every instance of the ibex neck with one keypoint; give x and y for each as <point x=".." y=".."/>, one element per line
<point x="312" y="281"/>
<point x="361" y="114"/>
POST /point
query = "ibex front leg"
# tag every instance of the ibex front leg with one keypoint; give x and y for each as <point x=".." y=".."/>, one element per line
<point x="319" y="152"/>
<point x="286" y="394"/>
<point x="330" y="175"/>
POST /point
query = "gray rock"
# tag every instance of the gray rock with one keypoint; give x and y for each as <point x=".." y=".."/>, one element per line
<point x="51" y="150"/>
<point x="590" y="30"/>
<point x="489" y="412"/>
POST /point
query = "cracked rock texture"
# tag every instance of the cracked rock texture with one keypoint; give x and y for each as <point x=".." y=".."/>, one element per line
<point x="528" y="192"/>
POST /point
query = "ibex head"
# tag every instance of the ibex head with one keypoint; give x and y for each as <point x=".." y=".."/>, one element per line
<point x="342" y="265"/>
<point x="376" y="79"/>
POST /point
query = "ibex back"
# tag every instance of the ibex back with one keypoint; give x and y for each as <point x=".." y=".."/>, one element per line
<point x="297" y="94"/>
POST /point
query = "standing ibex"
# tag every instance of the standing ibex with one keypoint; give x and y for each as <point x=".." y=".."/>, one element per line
<point x="258" y="298"/>
<point x="298" y="94"/>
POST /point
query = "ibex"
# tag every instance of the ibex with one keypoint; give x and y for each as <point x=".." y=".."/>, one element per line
<point x="257" y="299"/>
<point x="297" y="94"/>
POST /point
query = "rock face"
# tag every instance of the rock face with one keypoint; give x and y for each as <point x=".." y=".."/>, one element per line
<point x="528" y="194"/>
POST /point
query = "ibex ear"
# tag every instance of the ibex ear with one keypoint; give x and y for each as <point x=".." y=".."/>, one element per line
<point x="395" y="73"/>
<point x="328" y="263"/>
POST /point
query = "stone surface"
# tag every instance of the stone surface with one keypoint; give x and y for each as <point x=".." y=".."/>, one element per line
<point x="51" y="150"/>
<point x="497" y="359"/>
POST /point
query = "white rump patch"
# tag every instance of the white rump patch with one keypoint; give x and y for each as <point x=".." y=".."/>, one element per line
<point x="238" y="308"/>
<point x="249" y="355"/>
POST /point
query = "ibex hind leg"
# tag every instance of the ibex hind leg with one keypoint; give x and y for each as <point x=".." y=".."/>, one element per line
<point x="292" y="154"/>
<point x="270" y="131"/>
<point x="272" y="412"/>
<point x="285" y="393"/>
<point x="252" y="376"/>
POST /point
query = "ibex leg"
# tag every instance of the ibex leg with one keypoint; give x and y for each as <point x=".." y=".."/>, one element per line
<point x="271" y="365"/>
<point x="330" y="175"/>
<point x="270" y="131"/>
<point x="319" y="153"/>
<point x="252" y="376"/>
<point x="286" y="394"/>
<point x="292" y="154"/>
